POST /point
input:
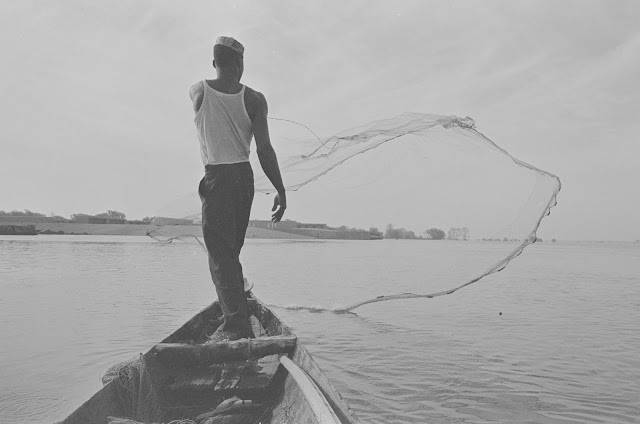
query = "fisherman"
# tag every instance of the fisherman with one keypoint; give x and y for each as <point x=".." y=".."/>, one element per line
<point x="227" y="115"/>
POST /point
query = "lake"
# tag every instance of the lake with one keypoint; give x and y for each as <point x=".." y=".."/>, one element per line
<point x="554" y="338"/>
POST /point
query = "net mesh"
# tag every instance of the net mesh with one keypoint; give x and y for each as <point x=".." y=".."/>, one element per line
<point x="414" y="176"/>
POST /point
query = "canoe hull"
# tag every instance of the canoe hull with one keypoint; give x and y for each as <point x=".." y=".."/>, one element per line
<point x="154" y="390"/>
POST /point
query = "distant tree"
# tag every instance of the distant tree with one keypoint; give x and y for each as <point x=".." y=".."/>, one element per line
<point x="398" y="233"/>
<point x="26" y="212"/>
<point x="388" y="232"/>
<point x="116" y="214"/>
<point x="147" y="219"/>
<point x="435" y="233"/>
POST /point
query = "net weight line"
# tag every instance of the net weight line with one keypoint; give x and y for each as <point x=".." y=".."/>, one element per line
<point x="500" y="265"/>
<point x="170" y="240"/>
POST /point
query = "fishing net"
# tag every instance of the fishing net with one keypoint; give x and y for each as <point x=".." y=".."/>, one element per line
<point x="139" y="391"/>
<point x="452" y="206"/>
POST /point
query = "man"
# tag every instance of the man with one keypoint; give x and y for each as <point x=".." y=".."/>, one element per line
<point x="227" y="115"/>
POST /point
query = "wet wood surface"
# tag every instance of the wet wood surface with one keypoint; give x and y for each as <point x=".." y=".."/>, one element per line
<point x="184" y="354"/>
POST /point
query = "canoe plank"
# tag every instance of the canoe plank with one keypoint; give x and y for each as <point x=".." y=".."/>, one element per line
<point x="189" y="355"/>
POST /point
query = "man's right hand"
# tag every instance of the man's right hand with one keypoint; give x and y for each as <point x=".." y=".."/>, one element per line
<point x="279" y="206"/>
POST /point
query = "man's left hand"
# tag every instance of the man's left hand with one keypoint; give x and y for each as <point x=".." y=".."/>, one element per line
<point x="279" y="206"/>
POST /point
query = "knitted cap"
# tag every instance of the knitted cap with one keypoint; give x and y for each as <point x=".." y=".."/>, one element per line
<point x="230" y="42"/>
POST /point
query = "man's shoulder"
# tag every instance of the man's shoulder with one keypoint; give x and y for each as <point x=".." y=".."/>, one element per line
<point x="196" y="89"/>
<point x="254" y="95"/>
<point x="254" y="101"/>
<point x="196" y="93"/>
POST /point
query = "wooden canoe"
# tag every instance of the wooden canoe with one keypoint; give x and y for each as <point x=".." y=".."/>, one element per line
<point x="270" y="379"/>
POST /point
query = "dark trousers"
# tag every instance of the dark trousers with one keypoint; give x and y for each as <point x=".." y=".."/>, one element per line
<point x="226" y="192"/>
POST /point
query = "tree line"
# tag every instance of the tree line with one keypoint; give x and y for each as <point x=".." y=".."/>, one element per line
<point x="401" y="233"/>
<point x="25" y="212"/>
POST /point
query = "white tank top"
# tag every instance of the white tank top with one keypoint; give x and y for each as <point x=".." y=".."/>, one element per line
<point x="224" y="127"/>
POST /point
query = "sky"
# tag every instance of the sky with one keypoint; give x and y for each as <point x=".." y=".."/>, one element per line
<point x="96" y="115"/>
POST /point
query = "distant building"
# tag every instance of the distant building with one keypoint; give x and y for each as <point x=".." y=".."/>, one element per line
<point x="461" y="233"/>
<point x="375" y="234"/>
<point x="103" y="218"/>
<point x="112" y="217"/>
<point x="161" y="220"/>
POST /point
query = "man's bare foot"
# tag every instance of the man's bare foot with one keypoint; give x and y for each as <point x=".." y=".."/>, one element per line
<point x="227" y="336"/>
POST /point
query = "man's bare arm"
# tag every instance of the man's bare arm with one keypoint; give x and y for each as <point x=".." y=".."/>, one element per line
<point x="267" y="155"/>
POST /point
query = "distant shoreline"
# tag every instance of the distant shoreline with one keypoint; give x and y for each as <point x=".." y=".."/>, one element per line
<point x="162" y="231"/>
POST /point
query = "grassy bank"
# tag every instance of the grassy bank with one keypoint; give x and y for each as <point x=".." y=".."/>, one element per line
<point x="141" y="230"/>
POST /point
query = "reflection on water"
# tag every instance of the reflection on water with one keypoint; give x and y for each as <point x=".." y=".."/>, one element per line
<point x="564" y="348"/>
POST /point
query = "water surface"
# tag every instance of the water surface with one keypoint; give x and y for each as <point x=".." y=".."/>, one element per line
<point x="564" y="350"/>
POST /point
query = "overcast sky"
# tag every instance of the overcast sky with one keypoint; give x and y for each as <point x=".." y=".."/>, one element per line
<point x="95" y="112"/>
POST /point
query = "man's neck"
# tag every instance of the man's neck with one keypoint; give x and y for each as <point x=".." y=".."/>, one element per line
<point x="227" y="80"/>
